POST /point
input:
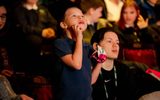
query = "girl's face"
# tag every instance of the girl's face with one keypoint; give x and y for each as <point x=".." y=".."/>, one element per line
<point x="111" y="45"/>
<point x="3" y="13"/>
<point x="74" y="16"/>
<point x="130" y="15"/>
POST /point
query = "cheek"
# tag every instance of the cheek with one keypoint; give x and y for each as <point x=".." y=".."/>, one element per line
<point x="107" y="50"/>
<point x="2" y="25"/>
<point x="134" y="17"/>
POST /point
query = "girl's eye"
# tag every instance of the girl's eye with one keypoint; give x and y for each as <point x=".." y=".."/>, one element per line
<point x="132" y="12"/>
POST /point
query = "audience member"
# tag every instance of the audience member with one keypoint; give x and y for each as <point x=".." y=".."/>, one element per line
<point x="137" y="42"/>
<point x="92" y="10"/>
<point x="116" y="80"/>
<point x="5" y="67"/>
<point x="34" y="32"/>
<point x="149" y="9"/>
<point x="72" y="63"/>
<point x="7" y="93"/>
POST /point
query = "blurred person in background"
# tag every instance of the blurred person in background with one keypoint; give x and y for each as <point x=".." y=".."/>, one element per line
<point x="92" y="10"/>
<point x="35" y="29"/>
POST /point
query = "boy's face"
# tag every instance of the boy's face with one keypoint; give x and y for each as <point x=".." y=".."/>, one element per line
<point x="3" y="13"/>
<point x="110" y="44"/>
<point x="97" y="14"/>
<point x="74" y="16"/>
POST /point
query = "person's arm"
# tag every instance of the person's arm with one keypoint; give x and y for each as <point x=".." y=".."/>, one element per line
<point x="75" y="60"/>
<point x="95" y="73"/>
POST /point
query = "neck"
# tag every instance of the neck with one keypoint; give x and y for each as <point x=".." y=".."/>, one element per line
<point x="127" y="25"/>
<point x="108" y="65"/>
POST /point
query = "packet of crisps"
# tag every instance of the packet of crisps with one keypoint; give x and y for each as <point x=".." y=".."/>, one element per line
<point x="99" y="55"/>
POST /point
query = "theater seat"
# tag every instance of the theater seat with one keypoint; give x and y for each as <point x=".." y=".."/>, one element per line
<point x="146" y="56"/>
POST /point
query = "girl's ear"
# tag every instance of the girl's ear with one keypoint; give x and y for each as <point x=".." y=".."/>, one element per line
<point x="95" y="45"/>
<point x="63" y="25"/>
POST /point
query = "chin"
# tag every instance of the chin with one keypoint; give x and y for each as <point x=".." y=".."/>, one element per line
<point x="83" y="28"/>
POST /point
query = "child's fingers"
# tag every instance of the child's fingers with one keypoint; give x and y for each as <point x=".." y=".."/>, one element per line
<point x="147" y="20"/>
<point x="140" y="18"/>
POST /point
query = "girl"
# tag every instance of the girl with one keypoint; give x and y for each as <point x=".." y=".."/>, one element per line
<point x="136" y="37"/>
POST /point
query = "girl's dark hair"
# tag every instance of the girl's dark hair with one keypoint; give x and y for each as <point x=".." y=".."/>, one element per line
<point x="127" y="3"/>
<point x="99" y="34"/>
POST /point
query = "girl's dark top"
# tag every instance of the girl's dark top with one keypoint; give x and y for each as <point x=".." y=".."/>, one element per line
<point x="71" y="84"/>
<point x="138" y="45"/>
<point x="135" y="38"/>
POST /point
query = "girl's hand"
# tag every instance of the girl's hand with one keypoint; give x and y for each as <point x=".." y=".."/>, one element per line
<point x="142" y="23"/>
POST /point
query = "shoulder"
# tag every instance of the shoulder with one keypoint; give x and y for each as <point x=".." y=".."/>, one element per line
<point x="58" y="42"/>
<point x="63" y="43"/>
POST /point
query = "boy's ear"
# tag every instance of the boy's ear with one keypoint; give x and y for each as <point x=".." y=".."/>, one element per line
<point x="91" y="10"/>
<point x="95" y="45"/>
<point x="63" y="25"/>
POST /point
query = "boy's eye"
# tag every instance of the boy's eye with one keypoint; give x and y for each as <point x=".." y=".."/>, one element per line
<point x="109" y="41"/>
<point x="82" y="16"/>
<point x="74" y="16"/>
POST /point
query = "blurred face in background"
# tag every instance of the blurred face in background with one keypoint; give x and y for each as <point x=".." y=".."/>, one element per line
<point x="130" y="15"/>
<point x="31" y="2"/>
<point x="3" y="13"/>
<point x="97" y="13"/>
